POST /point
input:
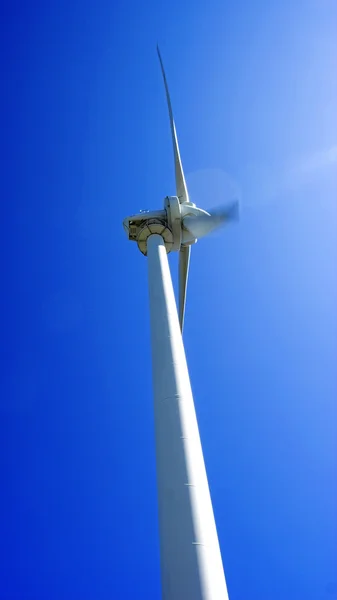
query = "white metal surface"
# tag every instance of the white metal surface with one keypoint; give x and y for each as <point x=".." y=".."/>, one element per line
<point x="181" y="188"/>
<point x="191" y="566"/>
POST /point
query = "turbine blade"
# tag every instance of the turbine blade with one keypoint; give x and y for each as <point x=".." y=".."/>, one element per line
<point x="184" y="262"/>
<point x="201" y="225"/>
<point x="181" y="187"/>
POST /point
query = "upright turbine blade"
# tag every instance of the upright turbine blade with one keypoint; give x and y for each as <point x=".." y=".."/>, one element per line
<point x="184" y="261"/>
<point x="182" y="192"/>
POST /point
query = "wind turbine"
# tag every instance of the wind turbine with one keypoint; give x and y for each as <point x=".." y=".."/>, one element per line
<point x="190" y="558"/>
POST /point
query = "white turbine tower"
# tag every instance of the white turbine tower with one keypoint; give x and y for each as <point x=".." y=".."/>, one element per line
<point x="191" y="565"/>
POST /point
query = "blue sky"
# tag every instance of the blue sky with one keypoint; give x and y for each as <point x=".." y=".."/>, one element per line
<point x="86" y="141"/>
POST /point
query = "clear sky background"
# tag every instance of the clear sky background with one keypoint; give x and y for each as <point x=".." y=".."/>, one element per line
<point x="85" y="142"/>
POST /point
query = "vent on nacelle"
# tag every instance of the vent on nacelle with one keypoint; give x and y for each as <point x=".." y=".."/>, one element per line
<point x="133" y="231"/>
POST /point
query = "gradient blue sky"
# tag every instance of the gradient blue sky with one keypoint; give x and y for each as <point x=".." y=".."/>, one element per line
<point x="86" y="141"/>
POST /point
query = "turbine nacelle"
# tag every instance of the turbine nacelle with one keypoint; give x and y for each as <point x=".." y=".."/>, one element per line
<point x="183" y="223"/>
<point x="132" y="225"/>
